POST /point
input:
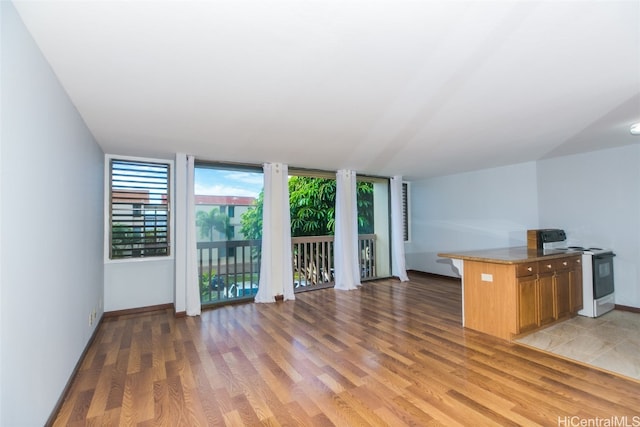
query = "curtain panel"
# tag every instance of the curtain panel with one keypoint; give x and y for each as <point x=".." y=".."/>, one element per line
<point x="276" y="271"/>
<point x="187" y="291"/>
<point x="347" y="264"/>
<point x="397" y="236"/>
<point x="193" y="285"/>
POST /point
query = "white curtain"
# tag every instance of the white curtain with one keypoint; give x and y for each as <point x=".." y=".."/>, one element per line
<point x="192" y="281"/>
<point x="187" y="292"/>
<point x="276" y="271"/>
<point x="397" y="233"/>
<point x="347" y="265"/>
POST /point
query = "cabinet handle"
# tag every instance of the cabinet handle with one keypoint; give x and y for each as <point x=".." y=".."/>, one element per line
<point x="578" y="261"/>
<point x="548" y="265"/>
<point x="564" y="263"/>
<point x="529" y="269"/>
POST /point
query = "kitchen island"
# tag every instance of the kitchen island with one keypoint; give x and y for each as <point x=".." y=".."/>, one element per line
<point x="508" y="292"/>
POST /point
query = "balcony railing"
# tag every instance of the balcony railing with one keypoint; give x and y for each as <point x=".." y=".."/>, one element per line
<point x="313" y="262"/>
<point x="230" y="271"/>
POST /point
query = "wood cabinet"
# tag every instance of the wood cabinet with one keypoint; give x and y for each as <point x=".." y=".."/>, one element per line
<point x="546" y="293"/>
<point x="506" y="300"/>
<point x="527" y="302"/>
<point x="562" y="289"/>
<point x="575" y="284"/>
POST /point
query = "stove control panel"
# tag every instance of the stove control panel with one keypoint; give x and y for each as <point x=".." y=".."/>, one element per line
<point x="546" y="238"/>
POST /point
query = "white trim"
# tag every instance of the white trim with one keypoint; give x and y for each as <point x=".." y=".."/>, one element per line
<point x="107" y="212"/>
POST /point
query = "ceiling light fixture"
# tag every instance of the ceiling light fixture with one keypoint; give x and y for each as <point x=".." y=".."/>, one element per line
<point x="635" y="129"/>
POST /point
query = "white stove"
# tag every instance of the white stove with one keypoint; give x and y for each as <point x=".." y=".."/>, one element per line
<point x="598" y="295"/>
<point x="597" y="268"/>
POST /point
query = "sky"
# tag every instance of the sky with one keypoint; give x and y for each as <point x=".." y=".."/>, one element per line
<point x="222" y="182"/>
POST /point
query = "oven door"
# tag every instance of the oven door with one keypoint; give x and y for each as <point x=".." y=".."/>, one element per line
<point x="602" y="275"/>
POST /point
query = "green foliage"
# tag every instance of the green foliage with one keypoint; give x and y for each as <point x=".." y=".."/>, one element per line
<point x="205" y="283"/>
<point x="127" y="241"/>
<point x="251" y="220"/>
<point x="123" y="239"/>
<point x="365" y="207"/>
<point x="312" y="203"/>
<point x="213" y="220"/>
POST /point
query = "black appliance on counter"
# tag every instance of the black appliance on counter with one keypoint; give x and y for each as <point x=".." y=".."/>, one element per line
<point x="546" y="239"/>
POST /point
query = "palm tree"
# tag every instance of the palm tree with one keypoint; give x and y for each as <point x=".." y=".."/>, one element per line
<point x="213" y="220"/>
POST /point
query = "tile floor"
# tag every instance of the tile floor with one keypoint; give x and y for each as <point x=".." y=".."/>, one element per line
<point x="610" y="342"/>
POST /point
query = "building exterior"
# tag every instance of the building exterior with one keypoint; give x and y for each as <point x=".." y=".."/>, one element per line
<point x="232" y="206"/>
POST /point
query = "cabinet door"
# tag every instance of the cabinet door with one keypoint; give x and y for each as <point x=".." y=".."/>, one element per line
<point x="527" y="305"/>
<point x="575" y="285"/>
<point x="546" y="311"/>
<point x="562" y="293"/>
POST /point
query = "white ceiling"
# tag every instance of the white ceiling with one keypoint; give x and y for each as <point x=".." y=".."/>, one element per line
<point x="416" y="88"/>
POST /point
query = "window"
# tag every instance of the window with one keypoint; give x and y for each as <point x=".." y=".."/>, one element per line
<point x="139" y="209"/>
<point x="405" y="212"/>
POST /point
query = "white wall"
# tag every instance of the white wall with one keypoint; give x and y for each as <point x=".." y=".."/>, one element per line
<point x="52" y="171"/>
<point x="595" y="197"/>
<point x="139" y="283"/>
<point x="142" y="282"/>
<point x="491" y="208"/>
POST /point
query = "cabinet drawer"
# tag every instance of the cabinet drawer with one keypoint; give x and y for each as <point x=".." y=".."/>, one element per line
<point x="575" y="261"/>
<point x="563" y="264"/>
<point x="526" y="269"/>
<point x="546" y="267"/>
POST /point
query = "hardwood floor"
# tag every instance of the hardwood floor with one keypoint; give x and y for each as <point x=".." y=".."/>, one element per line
<point x="388" y="354"/>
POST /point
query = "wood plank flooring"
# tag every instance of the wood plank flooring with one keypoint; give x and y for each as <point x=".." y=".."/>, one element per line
<point x="390" y="353"/>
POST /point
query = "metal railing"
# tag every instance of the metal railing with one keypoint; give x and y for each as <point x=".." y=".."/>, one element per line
<point x="230" y="271"/>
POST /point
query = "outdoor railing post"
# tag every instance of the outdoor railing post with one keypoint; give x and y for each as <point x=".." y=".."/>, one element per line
<point x="312" y="262"/>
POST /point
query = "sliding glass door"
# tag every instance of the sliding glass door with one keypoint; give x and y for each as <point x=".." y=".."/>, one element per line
<point x="228" y="260"/>
<point x="228" y="205"/>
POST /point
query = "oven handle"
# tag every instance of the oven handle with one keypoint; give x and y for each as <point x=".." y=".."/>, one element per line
<point x="603" y="256"/>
